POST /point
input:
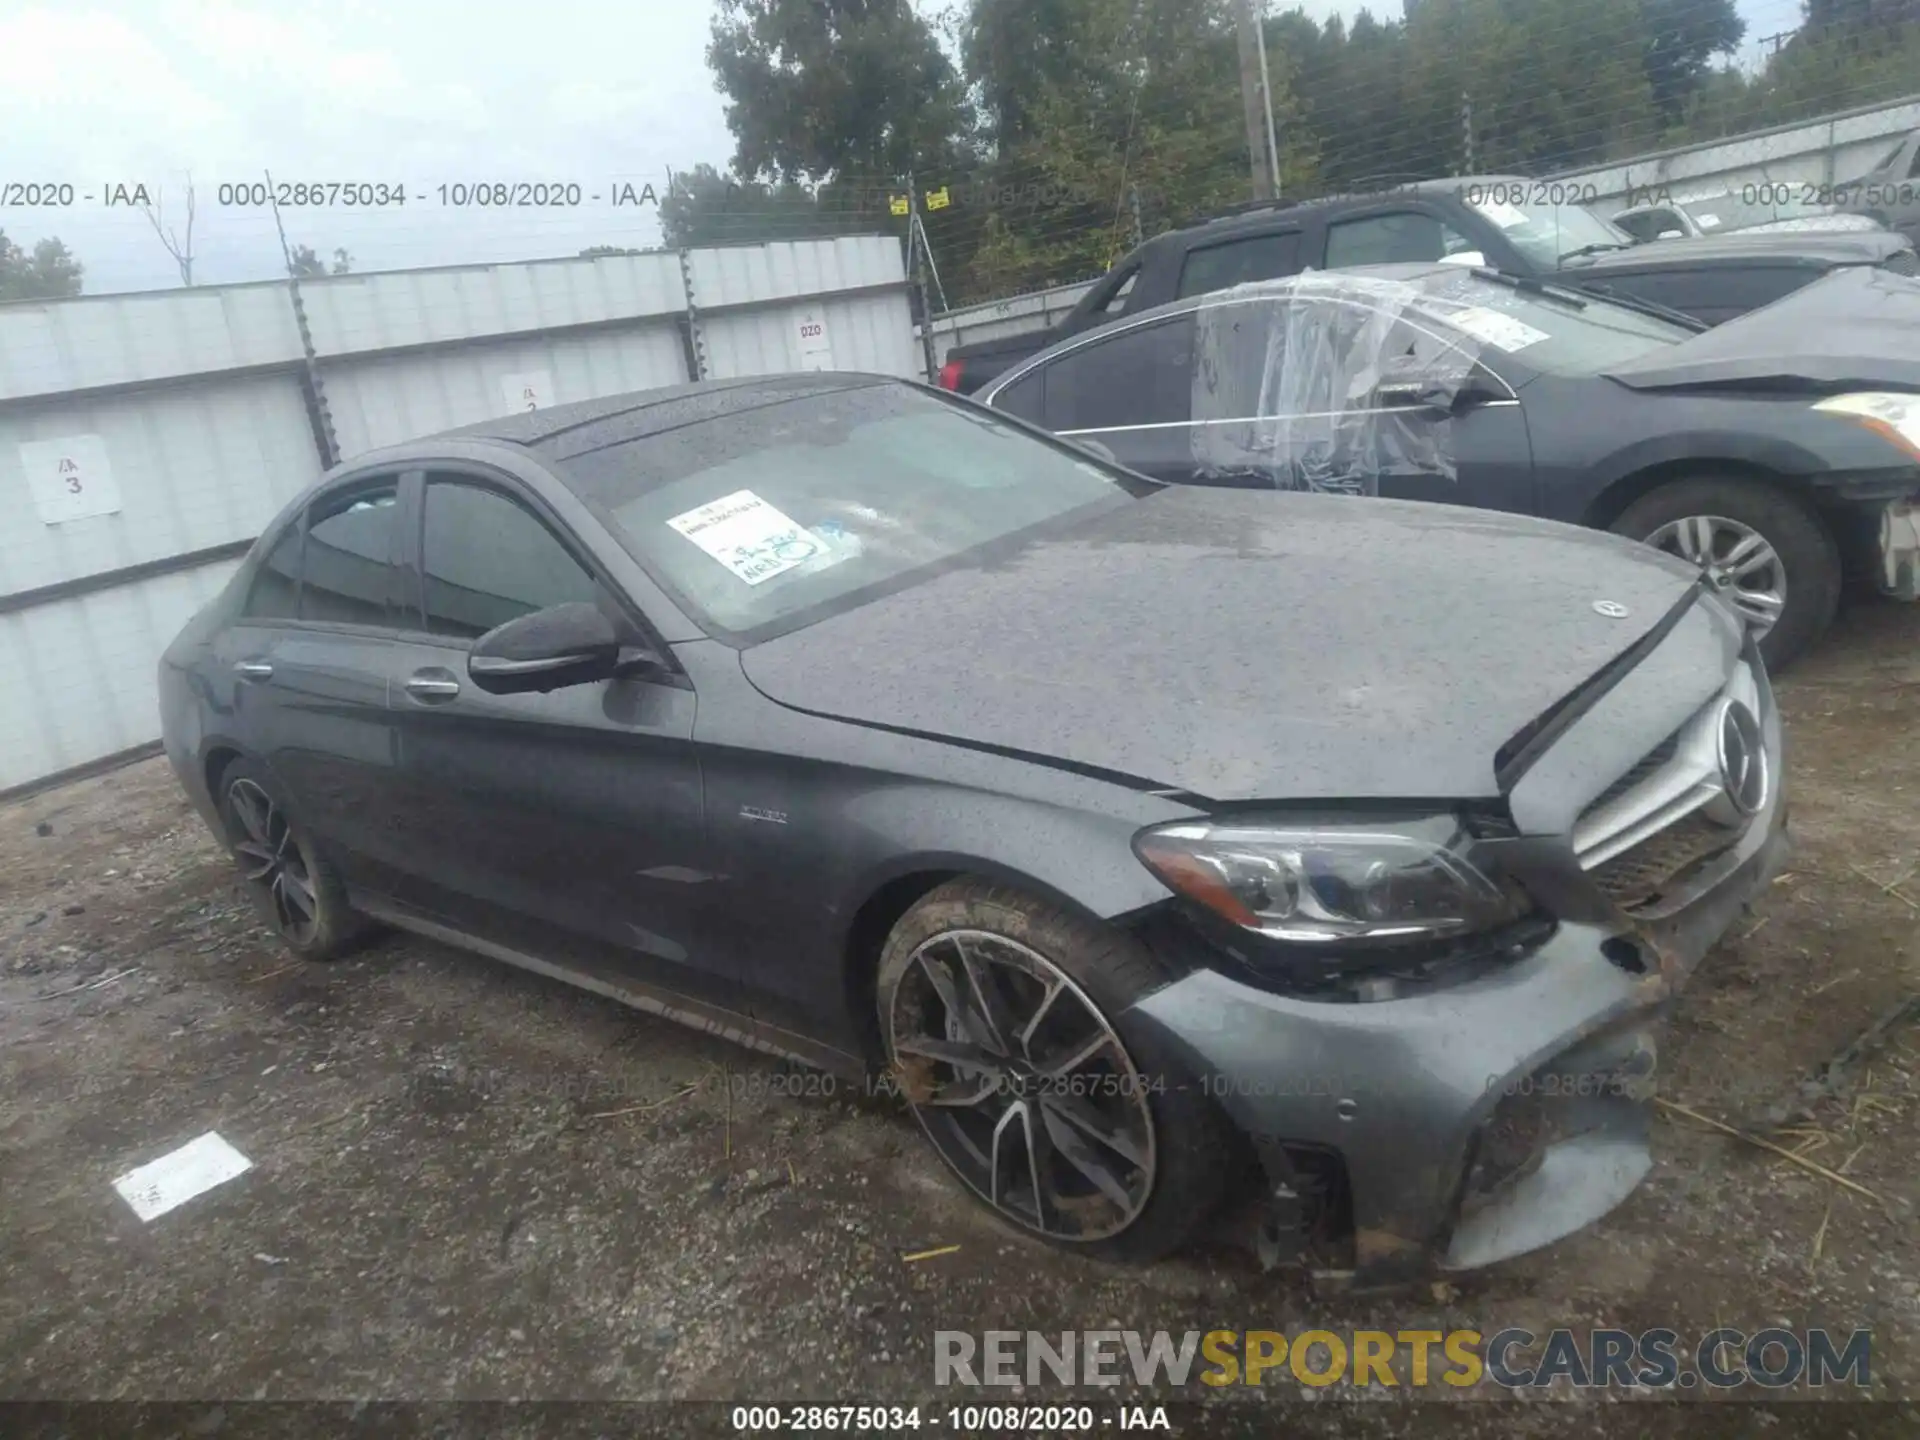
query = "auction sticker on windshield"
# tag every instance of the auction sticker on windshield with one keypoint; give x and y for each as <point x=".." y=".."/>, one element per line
<point x="753" y="539"/>
<point x="1490" y="327"/>
<point x="1503" y="213"/>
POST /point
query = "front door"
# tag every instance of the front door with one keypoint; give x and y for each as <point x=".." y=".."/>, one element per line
<point x="566" y="825"/>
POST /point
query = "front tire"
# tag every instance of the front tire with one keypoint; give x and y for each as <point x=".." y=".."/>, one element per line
<point x="1005" y="1019"/>
<point x="296" y="891"/>
<point x="1769" y="556"/>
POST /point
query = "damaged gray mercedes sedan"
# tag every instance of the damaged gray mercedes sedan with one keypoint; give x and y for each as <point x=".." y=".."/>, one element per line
<point x="1161" y="847"/>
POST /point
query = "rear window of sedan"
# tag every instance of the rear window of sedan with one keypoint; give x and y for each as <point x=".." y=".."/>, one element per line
<point x="766" y="520"/>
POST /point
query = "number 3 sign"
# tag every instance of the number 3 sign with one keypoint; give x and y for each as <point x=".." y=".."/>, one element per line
<point x="70" y="479"/>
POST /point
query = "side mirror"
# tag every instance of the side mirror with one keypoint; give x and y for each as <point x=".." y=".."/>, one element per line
<point x="563" y="645"/>
<point x="1412" y="393"/>
<point x="1096" y="449"/>
<point x="1475" y="388"/>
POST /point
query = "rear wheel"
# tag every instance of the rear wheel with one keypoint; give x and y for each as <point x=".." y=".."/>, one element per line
<point x="296" y="890"/>
<point x="1765" y="553"/>
<point x="1005" y="1019"/>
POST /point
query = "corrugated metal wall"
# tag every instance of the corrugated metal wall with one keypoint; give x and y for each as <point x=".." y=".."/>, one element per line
<point x="196" y="466"/>
<point x="146" y="439"/>
<point x="378" y="401"/>
<point x="81" y="672"/>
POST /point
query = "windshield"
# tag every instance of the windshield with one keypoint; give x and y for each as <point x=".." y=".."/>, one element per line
<point x="1583" y="336"/>
<point x="769" y="519"/>
<point x="1733" y="212"/>
<point x="1547" y="234"/>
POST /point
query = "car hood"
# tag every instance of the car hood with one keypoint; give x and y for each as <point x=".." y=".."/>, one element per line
<point x="1244" y="645"/>
<point x="1851" y="328"/>
<point x="1821" y="247"/>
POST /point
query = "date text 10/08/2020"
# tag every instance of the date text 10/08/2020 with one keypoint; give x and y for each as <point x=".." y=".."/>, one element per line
<point x="894" y="1084"/>
<point x="481" y="194"/>
<point x="961" y="1419"/>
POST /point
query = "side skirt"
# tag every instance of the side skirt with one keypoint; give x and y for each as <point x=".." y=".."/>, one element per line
<point x="668" y="1004"/>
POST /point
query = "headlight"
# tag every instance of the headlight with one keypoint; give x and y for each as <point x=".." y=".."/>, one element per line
<point x="1322" y="883"/>
<point x="1892" y="414"/>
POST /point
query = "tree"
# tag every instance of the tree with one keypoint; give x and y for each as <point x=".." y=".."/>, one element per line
<point x="1129" y="121"/>
<point x="704" y="207"/>
<point x="1683" y="36"/>
<point x="178" y="244"/>
<point x="820" y="88"/>
<point x="47" y="272"/>
<point x="305" y="265"/>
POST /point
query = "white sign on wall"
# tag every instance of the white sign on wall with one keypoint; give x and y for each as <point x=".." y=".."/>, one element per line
<point x="530" y="390"/>
<point x="70" y="479"/>
<point x="816" y="346"/>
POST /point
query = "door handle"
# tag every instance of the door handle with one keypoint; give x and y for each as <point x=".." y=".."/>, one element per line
<point x="432" y="685"/>
<point x="253" y="670"/>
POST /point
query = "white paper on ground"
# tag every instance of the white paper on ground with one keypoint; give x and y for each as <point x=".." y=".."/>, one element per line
<point x="175" y="1178"/>
<point x="753" y="539"/>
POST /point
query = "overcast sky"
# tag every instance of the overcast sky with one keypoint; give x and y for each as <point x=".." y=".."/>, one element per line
<point x="424" y="92"/>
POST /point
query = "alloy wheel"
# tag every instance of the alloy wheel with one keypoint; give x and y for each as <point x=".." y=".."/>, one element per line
<point x="1743" y="568"/>
<point x="1022" y="1085"/>
<point x="271" y="858"/>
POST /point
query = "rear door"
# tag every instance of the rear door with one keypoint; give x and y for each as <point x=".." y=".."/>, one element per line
<point x="566" y="825"/>
<point x="310" y="656"/>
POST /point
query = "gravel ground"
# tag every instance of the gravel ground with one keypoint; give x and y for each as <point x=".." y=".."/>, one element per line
<point x="473" y="1184"/>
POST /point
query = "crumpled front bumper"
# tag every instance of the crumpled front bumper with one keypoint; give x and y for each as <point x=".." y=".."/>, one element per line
<point x="1480" y="1120"/>
<point x="1405" y="1091"/>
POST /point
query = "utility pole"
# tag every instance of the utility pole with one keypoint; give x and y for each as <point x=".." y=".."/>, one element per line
<point x="916" y="242"/>
<point x="1466" y="128"/>
<point x="1266" y="99"/>
<point x="1259" y="167"/>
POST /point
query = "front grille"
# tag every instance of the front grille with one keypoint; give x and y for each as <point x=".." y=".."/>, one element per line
<point x="1639" y="877"/>
<point x="1643" y="770"/>
<point x="1645" y="838"/>
<point x="1903" y="262"/>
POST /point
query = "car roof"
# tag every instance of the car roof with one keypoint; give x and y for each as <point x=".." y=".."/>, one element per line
<point x="1262" y="215"/>
<point x="563" y="431"/>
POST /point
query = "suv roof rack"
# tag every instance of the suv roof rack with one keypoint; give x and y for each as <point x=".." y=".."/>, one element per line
<point x="1249" y="207"/>
<point x="1362" y="185"/>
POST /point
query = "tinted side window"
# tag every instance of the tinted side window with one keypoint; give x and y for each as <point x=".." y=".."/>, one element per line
<point x="1144" y="376"/>
<point x="1642" y="227"/>
<point x="1258" y="257"/>
<point x="275" y="591"/>
<point x="347" y="569"/>
<point x="1403" y="237"/>
<point x="486" y="559"/>
<point x="1025" y="398"/>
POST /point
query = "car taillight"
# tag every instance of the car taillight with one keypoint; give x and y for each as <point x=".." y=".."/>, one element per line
<point x="950" y="376"/>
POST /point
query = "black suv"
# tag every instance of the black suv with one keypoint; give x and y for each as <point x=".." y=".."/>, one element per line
<point x="1533" y="228"/>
